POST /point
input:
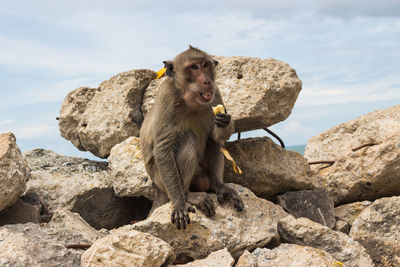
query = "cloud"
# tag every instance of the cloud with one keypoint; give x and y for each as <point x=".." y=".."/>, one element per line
<point x="6" y="122"/>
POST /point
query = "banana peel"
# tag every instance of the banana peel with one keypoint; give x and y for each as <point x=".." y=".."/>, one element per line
<point x="161" y="73"/>
<point x="220" y="109"/>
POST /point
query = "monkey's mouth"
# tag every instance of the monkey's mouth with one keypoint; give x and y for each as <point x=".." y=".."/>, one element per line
<point x="207" y="96"/>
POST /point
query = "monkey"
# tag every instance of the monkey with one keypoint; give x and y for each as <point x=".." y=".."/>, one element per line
<point x="181" y="137"/>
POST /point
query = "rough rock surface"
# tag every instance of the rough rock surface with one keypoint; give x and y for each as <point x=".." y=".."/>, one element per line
<point x="305" y="232"/>
<point x="96" y="120"/>
<point x="127" y="168"/>
<point x="367" y="173"/>
<point x="14" y="171"/>
<point x="73" y="222"/>
<point x="82" y="186"/>
<point x="268" y="169"/>
<point x="377" y="228"/>
<point x="34" y="245"/>
<point x="257" y="93"/>
<point x="347" y="214"/>
<point x="72" y="110"/>
<point x="220" y="258"/>
<point x="315" y="205"/>
<point x="287" y="255"/>
<point x="237" y="231"/>
<point x="374" y="127"/>
<point x="128" y="248"/>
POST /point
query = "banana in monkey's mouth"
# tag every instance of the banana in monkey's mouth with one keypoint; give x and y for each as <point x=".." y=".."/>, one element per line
<point x="207" y="96"/>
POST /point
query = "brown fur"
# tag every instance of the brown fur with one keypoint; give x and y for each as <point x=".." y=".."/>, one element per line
<point x="181" y="137"/>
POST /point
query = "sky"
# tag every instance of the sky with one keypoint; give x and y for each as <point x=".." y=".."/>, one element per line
<point x="346" y="53"/>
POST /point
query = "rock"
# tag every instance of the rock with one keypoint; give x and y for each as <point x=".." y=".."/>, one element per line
<point x="128" y="170"/>
<point x="237" y="231"/>
<point x="287" y="255"/>
<point x="268" y="169"/>
<point x="20" y="212"/>
<point x="367" y="173"/>
<point x="73" y="222"/>
<point x="14" y="171"/>
<point x="315" y="205"/>
<point x="150" y="94"/>
<point x="34" y="245"/>
<point x="97" y="120"/>
<point x="347" y="214"/>
<point x="220" y="258"/>
<point x="305" y="232"/>
<point x="377" y="228"/>
<point x="128" y="248"/>
<point x="257" y="93"/>
<point x="374" y="127"/>
<point x="82" y="186"/>
<point x="72" y="110"/>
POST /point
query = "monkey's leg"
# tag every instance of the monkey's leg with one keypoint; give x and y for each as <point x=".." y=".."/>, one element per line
<point x="187" y="160"/>
<point x="216" y="174"/>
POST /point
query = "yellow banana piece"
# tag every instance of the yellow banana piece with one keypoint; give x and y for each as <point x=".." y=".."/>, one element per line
<point x="161" y="73"/>
<point x="218" y="109"/>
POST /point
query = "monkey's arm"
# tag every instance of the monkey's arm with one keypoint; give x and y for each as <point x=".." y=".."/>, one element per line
<point x="167" y="167"/>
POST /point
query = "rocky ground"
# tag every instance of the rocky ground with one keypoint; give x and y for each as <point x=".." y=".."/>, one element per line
<point x="338" y="205"/>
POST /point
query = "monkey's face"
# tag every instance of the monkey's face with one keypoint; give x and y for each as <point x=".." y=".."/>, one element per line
<point x="199" y="78"/>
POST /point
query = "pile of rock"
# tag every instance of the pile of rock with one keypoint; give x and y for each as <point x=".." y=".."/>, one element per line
<point x="71" y="211"/>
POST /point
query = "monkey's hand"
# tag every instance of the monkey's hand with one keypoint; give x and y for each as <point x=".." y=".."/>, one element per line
<point x="222" y="120"/>
<point x="180" y="214"/>
<point x="225" y="193"/>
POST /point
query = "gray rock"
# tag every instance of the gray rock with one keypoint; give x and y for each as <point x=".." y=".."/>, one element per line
<point x="97" y="119"/>
<point x="34" y="245"/>
<point x="377" y="228"/>
<point x="367" y="173"/>
<point x="256" y="92"/>
<point x="287" y="255"/>
<point x="315" y="205"/>
<point x="79" y="189"/>
<point x="268" y="169"/>
<point x="237" y="231"/>
<point x="305" y="232"/>
<point x="14" y="171"/>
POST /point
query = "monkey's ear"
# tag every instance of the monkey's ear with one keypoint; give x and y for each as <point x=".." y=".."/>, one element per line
<point x="215" y="62"/>
<point x="169" y="65"/>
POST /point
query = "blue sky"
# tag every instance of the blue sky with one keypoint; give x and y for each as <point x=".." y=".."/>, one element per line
<point x="347" y="54"/>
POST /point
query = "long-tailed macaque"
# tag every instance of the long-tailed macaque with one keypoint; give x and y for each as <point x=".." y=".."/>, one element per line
<point x="181" y="139"/>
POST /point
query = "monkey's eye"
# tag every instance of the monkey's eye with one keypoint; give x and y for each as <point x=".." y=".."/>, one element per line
<point x="205" y="65"/>
<point x="194" y="67"/>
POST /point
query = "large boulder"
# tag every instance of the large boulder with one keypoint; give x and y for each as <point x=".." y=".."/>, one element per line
<point x="97" y="119"/>
<point x="83" y="186"/>
<point x="256" y="92"/>
<point x="287" y="255"/>
<point x="377" y="228"/>
<point x="237" y="231"/>
<point x="365" y="156"/>
<point x="305" y="232"/>
<point x="124" y="247"/>
<point x="126" y="165"/>
<point x="14" y="171"/>
<point x="268" y="169"/>
<point x="34" y="245"/>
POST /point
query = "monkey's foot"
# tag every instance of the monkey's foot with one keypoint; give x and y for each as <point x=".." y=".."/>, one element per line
<point x="225" y="193"/>
<point x="202" y="201"/>
<point x="180" y="215"/>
